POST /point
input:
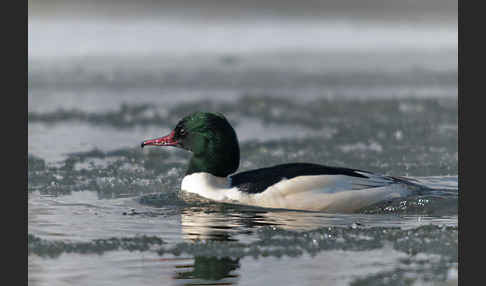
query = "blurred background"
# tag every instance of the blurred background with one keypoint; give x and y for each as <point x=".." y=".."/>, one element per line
<point x="90" y="57"/>
<point x="139" y="42"/>
<point x="367" y="84"/>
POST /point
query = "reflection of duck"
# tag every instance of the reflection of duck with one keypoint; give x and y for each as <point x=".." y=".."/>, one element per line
<point x="228" y="222"/>
<point x="305" y="186"/>
<point x="209" y="271"/>
<point x="220" y="225"/>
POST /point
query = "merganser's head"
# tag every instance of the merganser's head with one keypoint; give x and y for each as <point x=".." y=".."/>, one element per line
<point x="210" y="138"/>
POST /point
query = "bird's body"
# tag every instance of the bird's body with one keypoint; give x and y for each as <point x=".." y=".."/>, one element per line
<point x="302" y="186"/>
<point x="330" y="192"/>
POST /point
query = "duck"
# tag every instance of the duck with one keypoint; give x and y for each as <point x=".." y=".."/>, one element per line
<point x="294" y="186"/>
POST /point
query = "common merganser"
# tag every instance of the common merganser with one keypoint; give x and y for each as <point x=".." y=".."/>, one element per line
<point x="302" y="186"/>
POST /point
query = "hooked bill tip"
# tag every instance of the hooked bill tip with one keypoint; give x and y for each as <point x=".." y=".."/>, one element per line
<point x="142" y="145"/>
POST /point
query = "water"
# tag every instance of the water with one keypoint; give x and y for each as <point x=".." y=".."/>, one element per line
<point x="102" y="209"/>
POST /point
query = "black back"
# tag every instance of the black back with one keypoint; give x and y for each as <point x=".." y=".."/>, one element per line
<point x="257" y="181"/>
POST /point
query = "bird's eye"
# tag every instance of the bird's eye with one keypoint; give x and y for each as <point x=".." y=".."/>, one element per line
<point x="182" y="132"/>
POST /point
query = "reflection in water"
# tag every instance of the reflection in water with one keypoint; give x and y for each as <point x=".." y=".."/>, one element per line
<point x="208" y="271"/>
<point x="215" y="225"/>
<point x="223" y="222"/>
<point x="229" y="223"/>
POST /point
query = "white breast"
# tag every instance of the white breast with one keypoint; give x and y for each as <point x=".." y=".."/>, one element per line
<point x="211" y="187"/>
<point x="332" y="193"/>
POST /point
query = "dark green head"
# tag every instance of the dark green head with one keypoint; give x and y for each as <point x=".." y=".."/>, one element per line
<point x="210" y="138"/>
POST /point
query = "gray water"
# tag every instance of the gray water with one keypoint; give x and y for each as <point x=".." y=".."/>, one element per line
<point x="359" y="94"/>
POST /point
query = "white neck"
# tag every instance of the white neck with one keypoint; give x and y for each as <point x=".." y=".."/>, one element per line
<point x="210" y="186"/>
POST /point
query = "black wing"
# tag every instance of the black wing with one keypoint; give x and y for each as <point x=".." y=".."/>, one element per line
<point x="257" y="181"/>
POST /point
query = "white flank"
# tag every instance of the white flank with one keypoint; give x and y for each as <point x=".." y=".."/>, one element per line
<point x="332" y="193"/>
